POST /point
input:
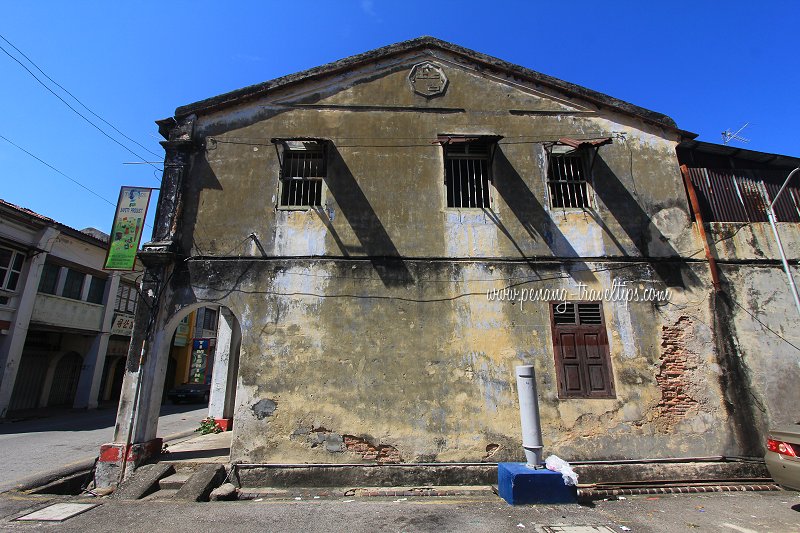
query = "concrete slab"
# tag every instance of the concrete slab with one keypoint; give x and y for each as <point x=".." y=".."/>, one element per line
<point x="58" y="512"/>
<point x="200" y="484"/>
<point x="211" y="448"/>
<point x="519" y="484"/>
<point x="175" y="481"/>
<point x="143" y="481"/>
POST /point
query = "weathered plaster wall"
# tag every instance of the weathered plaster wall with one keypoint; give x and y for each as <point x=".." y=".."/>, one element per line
<point x="367" y="334"/>
<point x="385" y="191"/>
<point x="331" y="356"/>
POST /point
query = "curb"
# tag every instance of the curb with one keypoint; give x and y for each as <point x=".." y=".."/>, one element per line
<point x="42" y="479"/>
<point x="251" y="493"/>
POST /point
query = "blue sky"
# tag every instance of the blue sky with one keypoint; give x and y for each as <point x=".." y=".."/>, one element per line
<point x="709" y="65"/>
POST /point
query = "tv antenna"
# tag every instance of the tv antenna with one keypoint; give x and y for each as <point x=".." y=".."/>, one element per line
<point x="728" y="136"/>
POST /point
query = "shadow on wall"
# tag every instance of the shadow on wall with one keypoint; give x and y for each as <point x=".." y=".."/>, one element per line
<point x="533" y="217"/>
<point x="372" y="236"/>
<point x="635" y="222"/>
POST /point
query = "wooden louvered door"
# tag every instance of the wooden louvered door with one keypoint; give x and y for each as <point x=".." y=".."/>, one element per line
<point x="580" y="343"/>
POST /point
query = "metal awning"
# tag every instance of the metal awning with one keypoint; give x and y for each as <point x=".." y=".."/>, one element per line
<point x="300" y="143"/>
<point x="461" y="138"/>
<point x="577" y="143"/>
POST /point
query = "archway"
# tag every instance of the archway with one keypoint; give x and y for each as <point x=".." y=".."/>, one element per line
<point x="218" y="341"/>
<point x="67" y="372"/>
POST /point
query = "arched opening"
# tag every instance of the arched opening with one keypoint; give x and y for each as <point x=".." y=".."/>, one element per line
<point x="116" y="382"/>
<point x="199" y="362"/>
<point x="68" y="370"/>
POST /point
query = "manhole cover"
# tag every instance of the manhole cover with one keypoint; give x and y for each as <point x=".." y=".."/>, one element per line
<point x="58" y="512"/>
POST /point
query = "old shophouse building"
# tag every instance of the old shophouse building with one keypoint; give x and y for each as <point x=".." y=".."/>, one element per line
<point x="65" y="324"/>
<point x="386" y="237"/>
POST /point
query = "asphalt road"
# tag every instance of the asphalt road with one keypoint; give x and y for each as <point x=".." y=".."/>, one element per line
<point x="36" y="446"/>
<point x="742" y="512"/>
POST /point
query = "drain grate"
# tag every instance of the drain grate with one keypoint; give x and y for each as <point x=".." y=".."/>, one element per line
<point x="577" y="529"/>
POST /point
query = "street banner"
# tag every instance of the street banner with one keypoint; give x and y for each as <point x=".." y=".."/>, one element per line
<point x="126" y="231"/>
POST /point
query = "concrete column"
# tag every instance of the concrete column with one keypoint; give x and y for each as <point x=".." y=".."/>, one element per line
<point x="12" y="350"/>
<point x="44" y="397"/>
<point x="61" y="280"/>
<point x="220" y="404"/>
<point x="92" y="370"/>
<point x="87" y="284"/>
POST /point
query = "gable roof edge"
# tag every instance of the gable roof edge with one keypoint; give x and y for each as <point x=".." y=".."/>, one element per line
<point x="253" y="91"/>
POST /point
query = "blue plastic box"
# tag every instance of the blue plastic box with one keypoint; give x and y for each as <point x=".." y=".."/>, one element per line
<point x="519" y="484"/>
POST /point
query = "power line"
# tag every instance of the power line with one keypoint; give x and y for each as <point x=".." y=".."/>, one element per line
<point x="75" y="97"/>
<point x="73" y="180"/>
<point x="98" y="128"/>
<point x="45" y="163"/>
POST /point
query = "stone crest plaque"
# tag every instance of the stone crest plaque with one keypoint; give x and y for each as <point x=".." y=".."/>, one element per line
<point x="428" y="79"/>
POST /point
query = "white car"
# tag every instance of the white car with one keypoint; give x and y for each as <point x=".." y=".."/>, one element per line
<point x="783" y="456"/>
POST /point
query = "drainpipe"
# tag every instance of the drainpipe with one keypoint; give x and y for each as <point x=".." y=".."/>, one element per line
<point x="771" y="217"/>
<point x="712" y="263"/>
<point x="529" y="415"/>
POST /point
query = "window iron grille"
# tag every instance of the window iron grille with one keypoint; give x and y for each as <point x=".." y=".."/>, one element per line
<point x="466" y="174"/>
<point x="303" y="168"/>
<point x="568" y="180"/>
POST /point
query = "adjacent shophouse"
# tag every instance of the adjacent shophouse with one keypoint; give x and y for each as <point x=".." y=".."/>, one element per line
<point x="65" y="324"/>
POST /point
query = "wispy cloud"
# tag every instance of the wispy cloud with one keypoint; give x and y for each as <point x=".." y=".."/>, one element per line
<point x="246" y="58"/>
<point x="368" y="7"/>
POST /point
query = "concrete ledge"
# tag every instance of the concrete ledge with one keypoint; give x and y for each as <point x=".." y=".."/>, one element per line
<point x="365" y="475"/>
<point x="39" y="481"/>
<point x="200" y="484"/>
<point x="462" y="474"/>
<point x="697" y="471"/>
<point x="143" y="481"/>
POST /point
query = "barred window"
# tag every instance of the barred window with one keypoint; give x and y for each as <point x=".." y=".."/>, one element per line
<point x="568" y="180"/>
<point x="303" y="168"/>
<point x="466" y="173"/>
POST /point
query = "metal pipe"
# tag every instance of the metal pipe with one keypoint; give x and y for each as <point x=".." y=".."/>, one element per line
<point x="529" y="415"/>
<point x="712" y="262"/>
<point x="771" y="217"/>
<point x="785" y="183"/>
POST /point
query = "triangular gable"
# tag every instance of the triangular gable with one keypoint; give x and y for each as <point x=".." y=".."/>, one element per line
<point x="485" y="62"/>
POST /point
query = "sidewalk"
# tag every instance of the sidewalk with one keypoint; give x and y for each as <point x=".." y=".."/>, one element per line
<point x="46" y="443"/>
<point x="743" y="512"/>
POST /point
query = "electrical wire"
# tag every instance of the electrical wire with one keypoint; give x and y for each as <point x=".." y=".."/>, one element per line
<point x="98" y="128"/>
<point x="73" y="180"/>
<point x="45" y="163"/>
<point x="430" y="144"/>
<point x="75" y="97"/>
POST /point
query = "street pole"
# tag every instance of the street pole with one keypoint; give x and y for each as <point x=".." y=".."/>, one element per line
<point x="771" y="217"/>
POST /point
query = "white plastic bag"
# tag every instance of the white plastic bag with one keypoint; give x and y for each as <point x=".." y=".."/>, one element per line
<point x="557" y="464"/>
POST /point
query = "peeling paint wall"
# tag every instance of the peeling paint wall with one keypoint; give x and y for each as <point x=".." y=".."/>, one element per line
<point x="367" y="333"/>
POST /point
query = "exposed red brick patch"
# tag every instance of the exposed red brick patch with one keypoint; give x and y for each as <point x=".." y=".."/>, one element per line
<point x="382" y="453"/>
<point x="491" y="449"/>
<point x="674" y="376"/>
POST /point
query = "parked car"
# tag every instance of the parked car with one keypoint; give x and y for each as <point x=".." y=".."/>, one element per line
<point x="190" y="393"/>
<point x="783" y="456"/>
